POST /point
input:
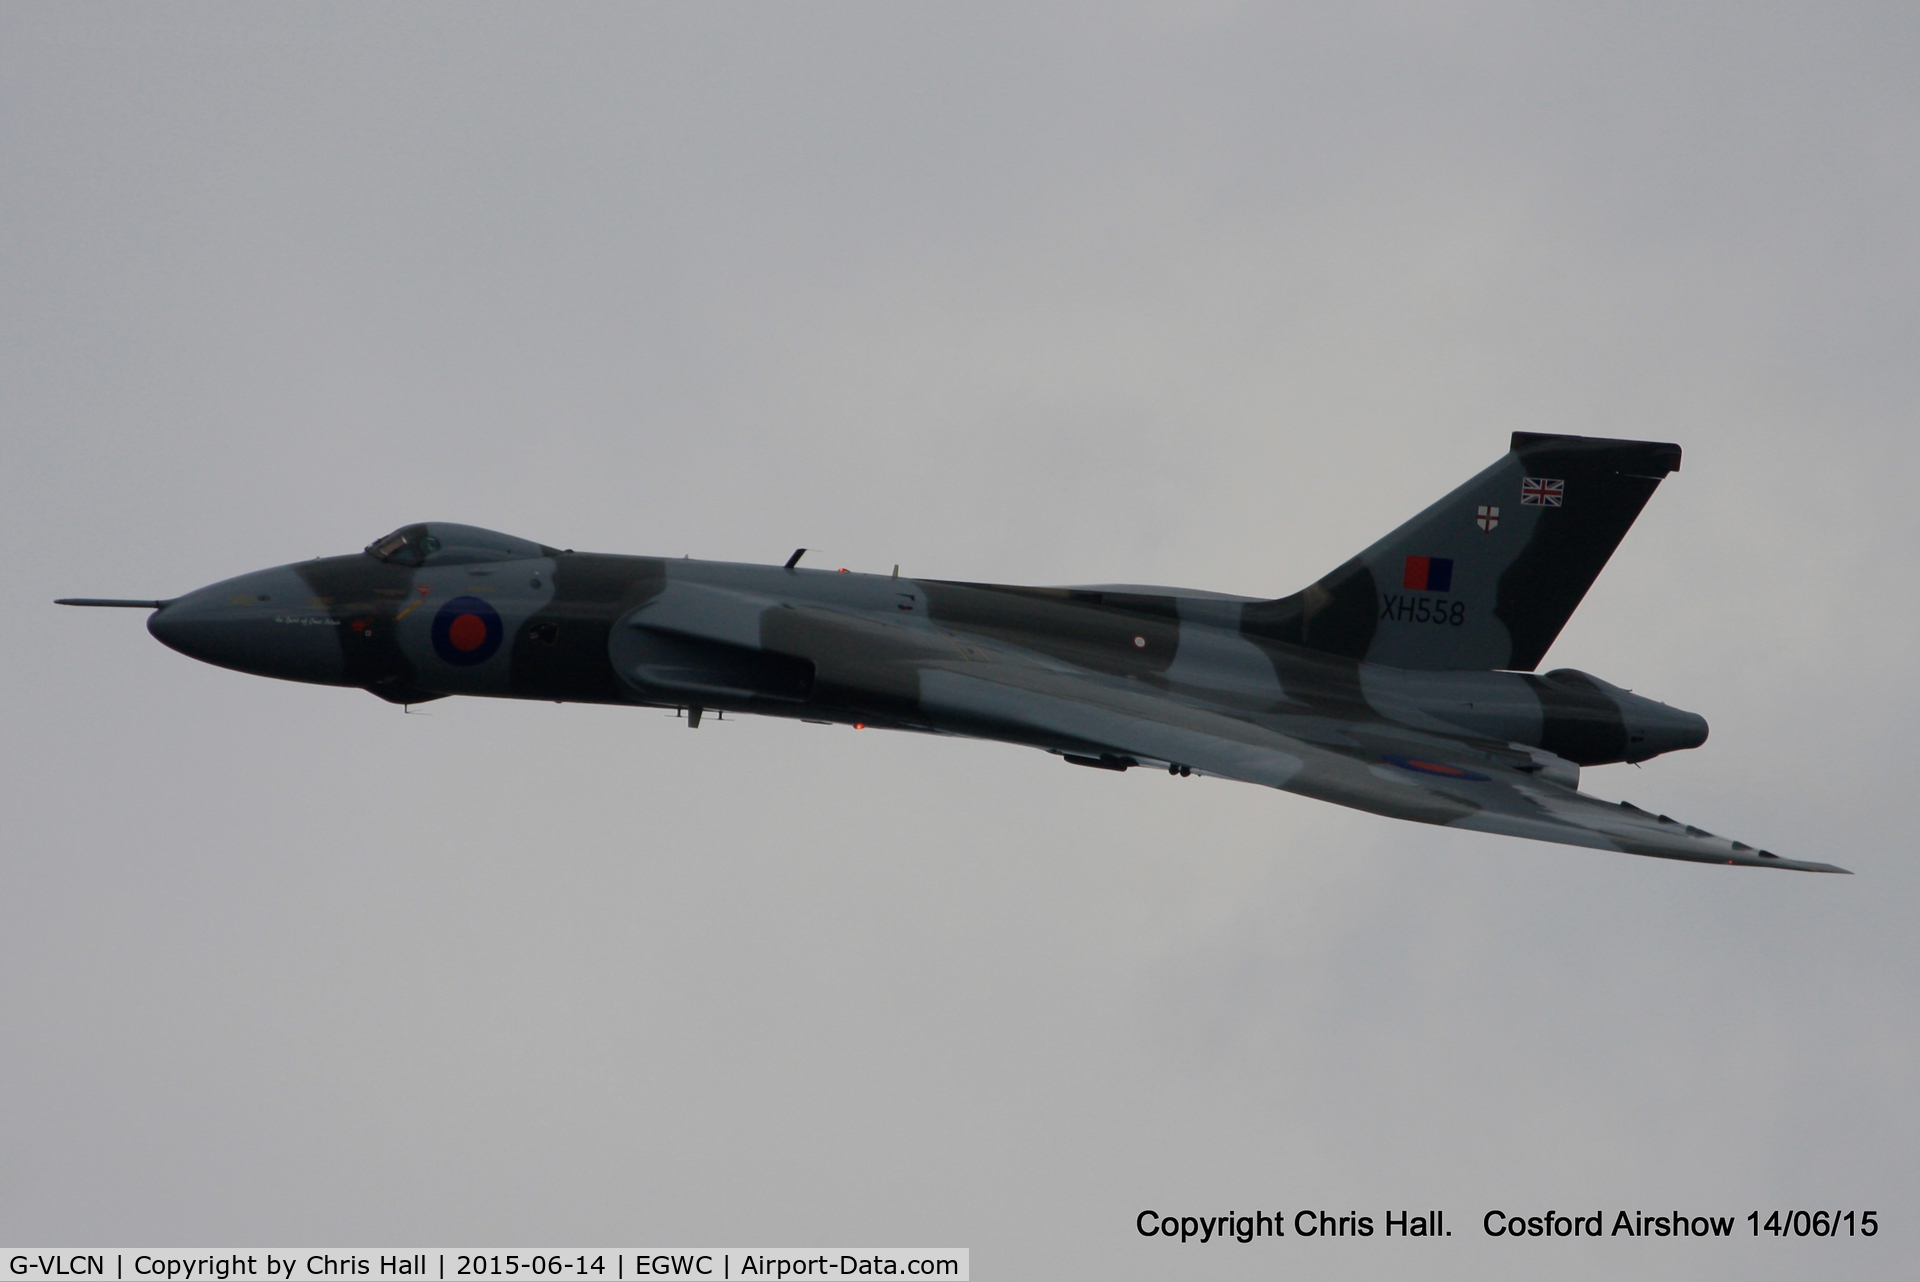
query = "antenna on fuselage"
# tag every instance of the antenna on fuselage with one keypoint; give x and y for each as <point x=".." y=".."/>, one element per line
<point x="795" y="558"/>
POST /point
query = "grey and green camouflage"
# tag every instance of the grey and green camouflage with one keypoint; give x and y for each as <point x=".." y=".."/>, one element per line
<point x="1402" y="683"/>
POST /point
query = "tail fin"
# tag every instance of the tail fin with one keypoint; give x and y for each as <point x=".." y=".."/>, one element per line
<point x="1488" y="576"/>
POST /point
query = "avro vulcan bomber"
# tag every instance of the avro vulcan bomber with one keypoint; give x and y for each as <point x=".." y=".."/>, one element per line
<point x="1402" y="683"/>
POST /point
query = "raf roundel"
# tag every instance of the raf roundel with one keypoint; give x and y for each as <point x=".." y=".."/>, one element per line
<point x="467" y="631"/>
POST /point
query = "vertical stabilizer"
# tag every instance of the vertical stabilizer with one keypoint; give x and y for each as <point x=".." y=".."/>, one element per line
<point x="1488" y="576"/>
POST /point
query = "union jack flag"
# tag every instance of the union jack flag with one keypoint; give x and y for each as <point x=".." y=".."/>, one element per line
<point x="1537" y="491"/>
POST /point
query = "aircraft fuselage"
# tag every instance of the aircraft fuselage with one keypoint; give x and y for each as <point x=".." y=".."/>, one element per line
<point x="1401" y="683"/>
<point x="852" y="648"/>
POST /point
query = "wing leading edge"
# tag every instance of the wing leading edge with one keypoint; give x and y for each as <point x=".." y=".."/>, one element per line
<point x="1443" y="785"/>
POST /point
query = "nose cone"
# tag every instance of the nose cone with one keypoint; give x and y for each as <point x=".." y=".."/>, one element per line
<point x="265" y="623"/>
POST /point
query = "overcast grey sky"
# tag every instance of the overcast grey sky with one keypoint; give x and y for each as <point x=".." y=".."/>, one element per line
<point x="1207" y="294"/>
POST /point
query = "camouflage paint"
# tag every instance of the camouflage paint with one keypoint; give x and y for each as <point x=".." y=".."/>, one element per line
<point x="1389" y="685"/>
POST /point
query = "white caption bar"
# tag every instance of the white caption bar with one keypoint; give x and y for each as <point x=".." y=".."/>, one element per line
<point x="572" y="1264"/>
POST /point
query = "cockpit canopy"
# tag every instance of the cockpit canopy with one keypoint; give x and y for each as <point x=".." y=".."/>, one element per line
<point x="443" y="543"/>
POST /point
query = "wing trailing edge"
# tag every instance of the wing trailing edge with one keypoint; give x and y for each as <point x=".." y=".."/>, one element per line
<point x="1429" y="780"/>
